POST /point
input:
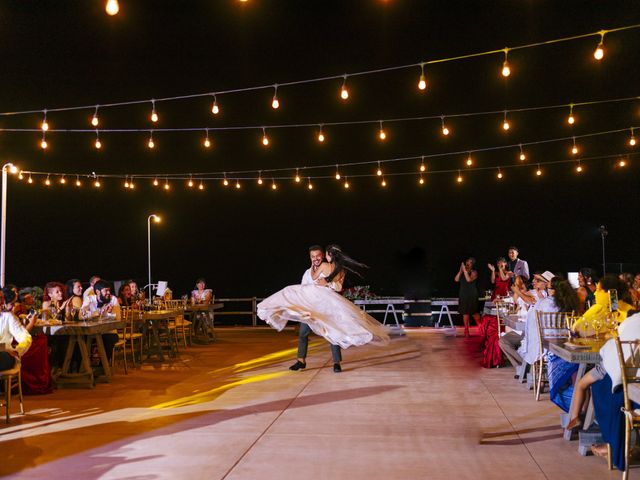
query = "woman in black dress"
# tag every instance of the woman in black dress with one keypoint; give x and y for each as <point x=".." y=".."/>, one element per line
<point x="468" y="296"/>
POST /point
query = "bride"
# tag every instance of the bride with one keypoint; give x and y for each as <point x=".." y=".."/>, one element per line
<point x="321" y="306"/>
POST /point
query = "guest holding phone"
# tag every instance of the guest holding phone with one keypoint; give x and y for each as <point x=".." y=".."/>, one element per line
<point x="468" y="296"/>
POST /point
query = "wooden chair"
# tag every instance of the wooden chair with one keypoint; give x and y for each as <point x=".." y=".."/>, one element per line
<point x="8" y="376"/>
<point x="130" y="333"/>
<point x="182" y="325"/>
<point x="552" y="326"/>
<point x="629" y="359"/>
<point x="121" y="344"/>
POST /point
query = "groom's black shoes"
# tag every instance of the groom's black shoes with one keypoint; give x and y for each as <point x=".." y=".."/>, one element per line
<point x="298" y="366"/>
<point x="337" y="368"/>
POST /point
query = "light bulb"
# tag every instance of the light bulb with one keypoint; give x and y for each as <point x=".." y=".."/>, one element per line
<point x="338" y="177"/>
<point x="571" y="120"/>
<point x="538" y="172"/>
<point x="154" y="117"/>
<point x="237" y="184"/>
<point x="274" y="186"/>
<point x="382" y="134"/>
<point x="225" y="182"/>
<point x="30" y="179"/>
<point x="207" y="143"/>
<point x="98" y="144"/>
<point x="166" y="186"/>
<point x="506" y="125"/>
<point x="126" y="184"/>
<point x="445" y="131"/>
<point x="499" y="175"/>
<point x="421" y="181"/>
<point x="265" y="139"/>
<point x="310" y="186"/>
<point x="622" y="163"/>
<point x="63" y="180"/>
<point x="574" y="150"/>
<point x="422" y="84"/>
<point x="260" y="182"/>
<point x="78" y="183"/>
<point x="112" y="8"/>
<point x="321" y="137"/>
<point x="275" y="103"/>
<point x="632" y="140"/>
<point x="523" y="157"/>
<point x="215" y="109"/>
<point x="44" y="144"/>
<point x="506" y="71"/>
<point x="151" y="143"/>
<point x="155" y="182"/>
<point x="469" y="161"/>
<point x="190" y="183"/>
<point x="132" y="185"/>
<point x="346" y="184"/>
<point x="95" y="121"/>
<point x="44" y="126"/>
<point x="422" y="167"/>
<point x="579" y="168"/>
<point x="201" y="186"/>
<point x="97" y="183"/>
<point x="47" y="182"/>
<point x="379" y="172"/>
<point x="383" y="183"/>
<point x="297" y="178"/>
<point x="459" y="179"/>
<point x="598" y="54"/>
<point x="20" y="176"/>
<point x="344" y="93"/>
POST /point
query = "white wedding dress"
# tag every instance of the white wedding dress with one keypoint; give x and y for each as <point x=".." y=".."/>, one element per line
<point x="327" y="313"/>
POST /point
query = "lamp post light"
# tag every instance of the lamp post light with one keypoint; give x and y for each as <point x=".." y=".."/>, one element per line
<point x="603" y="233"/>
<point x="3" y="236"/>
<point x="156" y="219"/>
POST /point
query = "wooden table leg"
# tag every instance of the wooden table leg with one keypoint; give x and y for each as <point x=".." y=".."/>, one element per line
<point x="103" y="357"/>
<point x="66" y="365"/>
<point x="154" y="340"/>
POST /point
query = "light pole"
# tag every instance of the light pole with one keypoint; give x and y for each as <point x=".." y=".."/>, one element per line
<point x="3" y="236"/>
<point x="603" y="233"/>
<point x="156" y="219"/>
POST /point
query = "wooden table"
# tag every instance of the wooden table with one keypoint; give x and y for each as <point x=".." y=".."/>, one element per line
<point x="582" y="357"/>
<point x="203" y="325"/>
<point x="83" y="334"/>
<point x="154" y="321"/>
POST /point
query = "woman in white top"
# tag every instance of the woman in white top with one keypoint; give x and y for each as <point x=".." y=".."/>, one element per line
<point x="201" y="294"/>
<point x="11" y="329"/>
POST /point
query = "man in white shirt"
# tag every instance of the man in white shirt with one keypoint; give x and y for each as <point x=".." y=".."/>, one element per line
<point x="11" y="329"/>
<point x="102" y="304"/>
<point x="316" y="255"/>
<point x="90" y="292"/>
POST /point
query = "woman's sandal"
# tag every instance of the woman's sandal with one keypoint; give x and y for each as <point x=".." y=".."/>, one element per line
<point x="574" y="424"/>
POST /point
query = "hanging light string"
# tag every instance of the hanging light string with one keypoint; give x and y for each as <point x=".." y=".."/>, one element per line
<point x="261" y="127"/>
<point x="343" y="76"/>
<point x="252" y="174"/>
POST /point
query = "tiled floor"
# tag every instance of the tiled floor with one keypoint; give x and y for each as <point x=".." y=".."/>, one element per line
<point x="421" y="408"/>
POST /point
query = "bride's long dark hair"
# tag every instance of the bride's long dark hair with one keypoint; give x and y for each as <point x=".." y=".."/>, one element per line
<point x="342" y="262"/>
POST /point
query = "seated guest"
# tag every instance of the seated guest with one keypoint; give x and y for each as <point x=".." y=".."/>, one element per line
<point x="511" y="341"/>
<point x="125" y="298"/>
<point x="587" y="284"/>
<point x="136" y="294"/>
<point x="499" y="279"/>
<point x="627" y="279"/>
<point x="54" y="301"/>
<point x="11" y="329"/>
<point x="74" y="294"/>
<point x="25" y="304"/>
<point x="201" y="294"/>
<point x="90" y="291"/>
<point x="602" y="304"/>
<point x="103" y="304"/>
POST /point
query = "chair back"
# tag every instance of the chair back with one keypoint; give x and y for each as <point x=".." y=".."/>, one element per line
<point x="553" y="326"/>
<point x="629" y="360"/>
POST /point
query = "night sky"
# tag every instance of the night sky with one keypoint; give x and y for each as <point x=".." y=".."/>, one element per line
<point x="254" y="241"/>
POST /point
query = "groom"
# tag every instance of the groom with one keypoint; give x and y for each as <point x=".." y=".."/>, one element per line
<point x="316" y="254"/>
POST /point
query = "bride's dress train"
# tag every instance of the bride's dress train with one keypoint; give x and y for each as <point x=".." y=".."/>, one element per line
<point x="327" y="313"/>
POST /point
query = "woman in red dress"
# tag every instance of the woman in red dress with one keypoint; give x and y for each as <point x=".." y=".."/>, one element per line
<point x="499" y="279"/>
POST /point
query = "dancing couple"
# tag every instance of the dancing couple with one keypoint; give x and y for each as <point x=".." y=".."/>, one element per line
<point x="319" y="308"/>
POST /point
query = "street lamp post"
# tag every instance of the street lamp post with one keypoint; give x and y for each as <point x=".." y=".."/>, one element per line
<point x="156" y="219"/>
<point x="3" y="235"/>
<point x="603" y="233"/>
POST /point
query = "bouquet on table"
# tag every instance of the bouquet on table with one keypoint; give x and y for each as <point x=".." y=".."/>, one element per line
<point x="360" y="292"/>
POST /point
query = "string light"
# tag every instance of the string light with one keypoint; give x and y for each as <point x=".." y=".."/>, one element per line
<point x="538" y="171"/>
<point x="131" y="184"/>
<point x="506" y="70"/>
<point x="112" y="7"/>
<point x="63" y="180"/>
<point x="422" y="83"/>
<point x="574" y="149"/>
<point x="422" y="166"/>
<point x="344" y="93"/>
<point x="622" y="163"/>
<point x="47" y="182"/>
<point x="499" y="175"/>
<point x="321" y="135"/>
<point x="215" y="108"/>
<point x="166" y="183"/>
<point x="505" y="123"/>
<point x="154" y="114"/>
<point x="30" y="179"/>
<point x="382" y="135"/>
<point x="190" y="183"/>
<point x="97" y="183"/>
<point x="598" y="54"/>
<point x="523" y="157"/>
<point x="43" y="143"/>
<point x="126" y="182"/>
<point x="207" y="142"/>
<point x="260" y="182"/>
<point x="45" y="125"/>
<point x="201" y="186"/>
<point x="151" y="143"/>
<point x="98" y="143"/>
<point x="297" y="178"/>
<point x="579" y="167"/>
<point x="20" y="175"/>
<point x="225" y="182"/>
<point x="383" y="182"/>
<point x="155" y="182"/>
<point x="310" y="185"/>
<point x="379" y="171"/>
<point x="265" y="139"/>
<point x="337" y="173"/>
<point x="421" y="181"/>
<point x="459" y="179"/>
<point x="78" y="182"/>
<point x="275" y="103"/>
<point x="469" y="160"/>
<point x="94" y="120"/>
<point x="571" y="119"/>
<point x="237" y="184"/>
<point x="445" y="129"/>
<point x="346" y="183"/>
<point x="632" y="139"/>
<point x="273" y="184"/>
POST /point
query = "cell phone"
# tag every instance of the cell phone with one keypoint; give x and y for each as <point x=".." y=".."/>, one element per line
<point x="613" y="300"/>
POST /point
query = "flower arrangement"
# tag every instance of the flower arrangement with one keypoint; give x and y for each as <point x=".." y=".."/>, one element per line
<point x="360" y="292"/>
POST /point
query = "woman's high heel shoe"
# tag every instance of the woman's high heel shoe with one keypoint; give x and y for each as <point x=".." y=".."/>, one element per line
<point x="574" y="424"/>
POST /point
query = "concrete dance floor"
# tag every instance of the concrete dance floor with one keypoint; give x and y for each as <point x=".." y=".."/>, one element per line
<point x="421" y="408"/>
